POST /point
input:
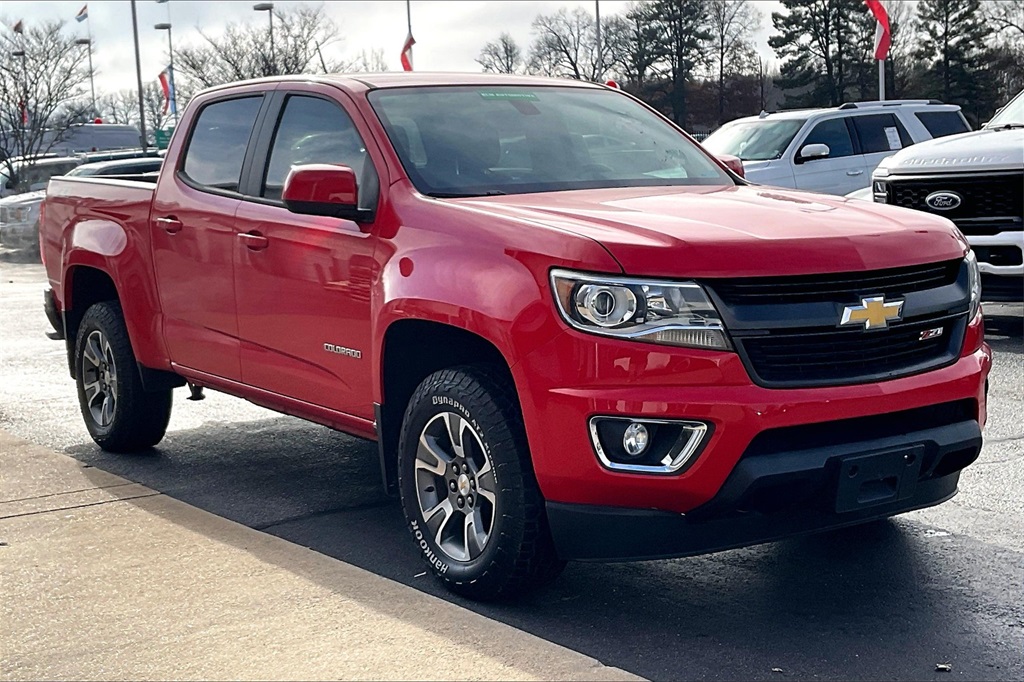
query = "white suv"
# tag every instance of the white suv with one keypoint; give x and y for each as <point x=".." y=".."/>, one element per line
<point x="831" y="150"/>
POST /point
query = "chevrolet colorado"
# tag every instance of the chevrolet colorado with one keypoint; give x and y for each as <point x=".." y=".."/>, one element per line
<point x="573" y="332"/>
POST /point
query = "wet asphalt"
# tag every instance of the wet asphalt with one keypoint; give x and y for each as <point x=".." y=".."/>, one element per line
<point x="889" y="600"/>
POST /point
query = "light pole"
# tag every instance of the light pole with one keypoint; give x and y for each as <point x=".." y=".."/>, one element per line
<point x="170" y="52"/>
<point x="92" y="86"/>
<point x="24" y="99"/>
<point x="268" y="7"/>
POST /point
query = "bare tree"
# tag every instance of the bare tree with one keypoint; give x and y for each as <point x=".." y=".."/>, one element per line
<point x="372" y="61"/>
<point x="121" y="107"/>
<point x="501" y="56"/>
<point x="731" y="24"/>
<point x="634" y="44"/>
<point x="42" y="91"/>
<point x="566" y="45"/>
<point x="1007" y="16"/>
<point x="243" y="51"/>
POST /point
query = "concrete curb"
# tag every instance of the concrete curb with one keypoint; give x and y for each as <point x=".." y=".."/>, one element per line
<point x="103" y="578"/>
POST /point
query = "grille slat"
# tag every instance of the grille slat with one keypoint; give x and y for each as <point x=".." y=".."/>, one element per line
<point x="841" y="288"/>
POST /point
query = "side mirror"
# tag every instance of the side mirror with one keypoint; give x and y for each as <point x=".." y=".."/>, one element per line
<point x="324" y="189"/>
<point x="810" y="152"/>
<point x="733" y="163"/>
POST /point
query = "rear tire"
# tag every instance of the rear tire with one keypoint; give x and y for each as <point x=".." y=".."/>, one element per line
<point x="468" y="489"/>
<point x="119" y="413"/>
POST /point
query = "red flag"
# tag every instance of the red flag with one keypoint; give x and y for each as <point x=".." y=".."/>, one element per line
<point x="407" y="53"/>
<point x="882" y="36"/>
<point x="24" y="112"/>
<point x="165" y="85"/>
<point x="18" y="27"/>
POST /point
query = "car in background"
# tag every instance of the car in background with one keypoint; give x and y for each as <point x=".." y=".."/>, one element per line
<point x="19" y="214"/>
<point x="92" y="137"/>
<point x="976" y="180"/>
<point x="831" y="150"/>
<point x="22" y="174"/>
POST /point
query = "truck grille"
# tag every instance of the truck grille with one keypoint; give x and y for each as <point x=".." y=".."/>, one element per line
<point x="786" y="329"/>
<point x="844" y="287"/>
<point x="990" y="203"/>
<point x="849" y="356"/>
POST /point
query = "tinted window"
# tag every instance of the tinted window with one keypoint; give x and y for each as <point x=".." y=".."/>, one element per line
<point x="754" y="140"/>
<point x="219" y="138"/>
<point x="880" y="133"/>
<point x="942" y="123"/>
<point x="835" y="134"/>
<point x="470" y="141"/>
<point x="313" y="130"/>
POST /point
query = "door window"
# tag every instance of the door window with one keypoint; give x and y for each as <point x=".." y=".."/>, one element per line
<point x="314" y="130"/>
<point x="942" y="123"/>
<point x="833" y="133"/>
<point x="219" y="140"/>
<point x="881" y="133"/>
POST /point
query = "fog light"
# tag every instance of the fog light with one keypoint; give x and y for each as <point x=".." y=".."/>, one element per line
<point x="648" y="446"/>
<point x="635" y="438"/>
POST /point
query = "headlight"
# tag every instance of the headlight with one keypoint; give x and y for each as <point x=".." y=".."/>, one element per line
<point x="671" y="313"/>
<point x="974" y="282"/>
<point x="878" y="191"/>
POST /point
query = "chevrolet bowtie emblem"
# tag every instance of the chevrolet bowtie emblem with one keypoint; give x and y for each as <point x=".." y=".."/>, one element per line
<point x="873" y="313"/>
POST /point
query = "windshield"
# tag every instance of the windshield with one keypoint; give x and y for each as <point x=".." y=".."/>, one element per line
<point x="1011" y="113"/>
<point x="474" y="141"/>
<point x="761" y="140"/>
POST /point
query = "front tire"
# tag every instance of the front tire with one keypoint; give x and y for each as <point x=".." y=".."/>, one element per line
<point x="468" y="489"/>
<point x="119" y="413"/>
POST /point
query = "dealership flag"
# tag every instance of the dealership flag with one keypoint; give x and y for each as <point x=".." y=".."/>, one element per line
<point x="407" y="52"/>
<point x="167" y="85"/>
<point x="83" y="14"/>
<point x="882" y="36"/>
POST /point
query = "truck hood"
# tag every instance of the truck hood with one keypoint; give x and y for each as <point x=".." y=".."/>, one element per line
<point x="736" y="231"/>
<point x="24" y="198"/>
<point x="981" y="150"/>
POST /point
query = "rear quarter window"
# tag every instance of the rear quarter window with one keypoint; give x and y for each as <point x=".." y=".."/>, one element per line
<point x="942" y="123"/>
<point x="219" y="139"/>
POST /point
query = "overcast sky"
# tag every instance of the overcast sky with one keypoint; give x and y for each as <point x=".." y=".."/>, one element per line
<point x="448" y="34"/>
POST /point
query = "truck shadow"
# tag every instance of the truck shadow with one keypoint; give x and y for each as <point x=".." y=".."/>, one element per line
<point x="889" y="599"/>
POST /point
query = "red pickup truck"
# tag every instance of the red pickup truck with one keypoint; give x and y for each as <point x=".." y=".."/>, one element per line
<point x="574" y="333"/>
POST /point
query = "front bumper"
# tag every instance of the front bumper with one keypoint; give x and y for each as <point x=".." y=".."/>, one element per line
<point x="1002" y="281"/>
<point x="576" y="376"/>
<point x="771" y="496"/>
<point x="19" y="234"/>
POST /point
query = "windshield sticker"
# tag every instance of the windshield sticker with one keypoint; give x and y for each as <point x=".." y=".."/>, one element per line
<point x="893" y="136"/>
<point x="514" y="96"/>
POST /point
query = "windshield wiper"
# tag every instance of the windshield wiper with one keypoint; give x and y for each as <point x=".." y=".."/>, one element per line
<point x="465" y="195"/>
<point x="1005" y="126"/>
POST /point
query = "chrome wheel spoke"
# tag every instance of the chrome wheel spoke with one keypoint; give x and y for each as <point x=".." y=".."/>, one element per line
<point x="92" y="352"/>
<point x="486" y="486"/>
<point x="456" y="425"/>
<point x="475" y="537"/>
<point x="92" y="389"/>
<point x="107" y="411"/>
<point x="430" y="457"/>
<point x="437" y="518"/>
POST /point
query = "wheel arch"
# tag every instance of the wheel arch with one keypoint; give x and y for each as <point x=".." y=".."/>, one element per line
<point x="84" y="286"/>
<point x="412" y="350"/>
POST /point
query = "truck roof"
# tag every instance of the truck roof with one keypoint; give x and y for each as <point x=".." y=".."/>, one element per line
<point x="403" y="79"/>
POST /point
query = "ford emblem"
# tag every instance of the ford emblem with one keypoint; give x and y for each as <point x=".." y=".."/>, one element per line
<point x="943" y="201"/>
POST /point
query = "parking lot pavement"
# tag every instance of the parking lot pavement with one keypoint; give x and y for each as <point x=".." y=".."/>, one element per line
<point x="888" y="600"/>
<point x="107" y="579"/>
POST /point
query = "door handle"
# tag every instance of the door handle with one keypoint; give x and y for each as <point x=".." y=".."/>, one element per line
<point x="170" y="224"/>
<point x="254" y="241"/>
<point x="853" y="173"/>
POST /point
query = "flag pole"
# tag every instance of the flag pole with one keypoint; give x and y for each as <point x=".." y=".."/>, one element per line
<point x="138" y="77"/>
<point x="881" y="80"/>
<point x="408" y="19"/>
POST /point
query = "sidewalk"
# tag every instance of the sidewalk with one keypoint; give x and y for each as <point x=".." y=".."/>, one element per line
<point x="104" y="578"/>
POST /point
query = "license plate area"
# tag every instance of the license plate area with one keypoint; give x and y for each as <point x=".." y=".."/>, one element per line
<point x="878" y="478"/>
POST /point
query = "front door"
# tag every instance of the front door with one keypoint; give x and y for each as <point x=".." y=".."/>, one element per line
<point x="842" y="171"/>
<point x="303" y="282"/>
<point x="194" y="242"/>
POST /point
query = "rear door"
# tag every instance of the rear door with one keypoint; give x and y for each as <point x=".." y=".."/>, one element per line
<point x="879" y="135"/>
<point x="194" y="242"/>
<point x="842" y="171"/>
<point x="303" y="282"/>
